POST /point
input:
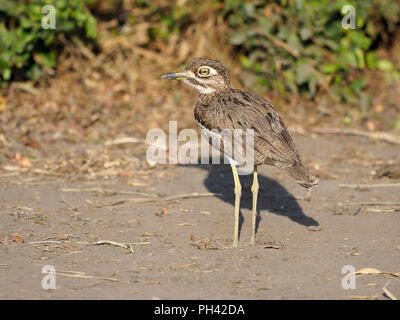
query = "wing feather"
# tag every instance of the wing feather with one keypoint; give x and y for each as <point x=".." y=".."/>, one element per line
<point x="237" y="109"/>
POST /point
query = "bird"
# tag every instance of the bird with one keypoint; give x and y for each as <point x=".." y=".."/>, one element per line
<point x="221" y="107"/>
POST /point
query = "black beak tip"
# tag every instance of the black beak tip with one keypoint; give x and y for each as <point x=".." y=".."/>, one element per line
<point x="169" y="76"/>
<point x="174" y="76"/>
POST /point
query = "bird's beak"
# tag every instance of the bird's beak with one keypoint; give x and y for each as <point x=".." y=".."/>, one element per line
<point x="175" y="75"/>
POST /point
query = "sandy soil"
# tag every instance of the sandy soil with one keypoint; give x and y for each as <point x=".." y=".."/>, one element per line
<point x="180" y="249"/>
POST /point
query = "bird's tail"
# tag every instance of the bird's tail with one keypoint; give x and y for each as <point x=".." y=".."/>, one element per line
<point x="300" y="173"/>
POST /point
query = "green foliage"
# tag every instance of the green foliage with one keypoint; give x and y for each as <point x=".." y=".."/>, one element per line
<point x="300" y="45"/>
<point x="171" y="17"/>
<point x="287" y="45"/>
<point x="26" y="48"/>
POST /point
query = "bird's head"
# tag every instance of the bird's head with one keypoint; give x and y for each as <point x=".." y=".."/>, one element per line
<point x="204" y="74"/>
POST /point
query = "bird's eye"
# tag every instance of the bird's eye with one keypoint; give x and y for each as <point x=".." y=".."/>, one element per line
<point x="204" y="72"/>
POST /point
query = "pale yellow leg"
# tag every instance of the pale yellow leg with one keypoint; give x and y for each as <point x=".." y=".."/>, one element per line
<point x="254" y="190"/>
<point x="238" y="193"/>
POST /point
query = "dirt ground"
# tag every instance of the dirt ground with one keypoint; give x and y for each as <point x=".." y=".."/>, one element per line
<point x="104" y="244"/>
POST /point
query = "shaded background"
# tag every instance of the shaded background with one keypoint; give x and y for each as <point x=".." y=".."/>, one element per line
<point x="66" y="92"/>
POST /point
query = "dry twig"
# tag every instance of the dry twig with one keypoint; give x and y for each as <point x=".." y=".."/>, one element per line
<point x="107" y="191"/>
<point x="82" y="275"/>
<point x="388" y="293"/>
<point x="171" y="198"/>
<point x="120" y="244"/>
<point x="371" y="203"/>
<point x="370" y="185"/>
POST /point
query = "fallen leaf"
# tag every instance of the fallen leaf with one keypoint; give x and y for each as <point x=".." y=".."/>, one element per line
<point x="3" y="140"/>
<point x="125" y="173"/>
<point x="274" y="245"/>
<point x="206" y="244"/>
<point x="3" y="103"/>
<point x="314" y="228"/>
<point x="391" y="170"/>
<point x="23" y="161"/>
<point x="17" y="239"/>
<point x="371" y="125"/>
<point x="29" y="142"/>
<point x="379" y="108"/>
<point x="271" y="246"/>
<point x="111" y="164"/>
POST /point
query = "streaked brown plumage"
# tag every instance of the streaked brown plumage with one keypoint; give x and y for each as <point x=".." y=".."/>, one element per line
<point x="273" y="144"/>
<point x="219" y="106"/>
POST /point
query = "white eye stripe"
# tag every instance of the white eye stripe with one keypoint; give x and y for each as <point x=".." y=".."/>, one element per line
<point x="207" y="81"/>
<point x="200" y="88"/>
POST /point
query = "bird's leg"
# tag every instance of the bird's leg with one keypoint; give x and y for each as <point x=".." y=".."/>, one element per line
<point x="238" y="193"/>
<point x="308" y="195"/>
<point x="254" y="190"/>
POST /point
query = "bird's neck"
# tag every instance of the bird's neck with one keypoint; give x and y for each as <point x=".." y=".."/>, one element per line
<point x="212" y="94"/>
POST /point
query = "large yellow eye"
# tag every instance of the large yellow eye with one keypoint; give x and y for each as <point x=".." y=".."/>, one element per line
<point x="204" y="72"/>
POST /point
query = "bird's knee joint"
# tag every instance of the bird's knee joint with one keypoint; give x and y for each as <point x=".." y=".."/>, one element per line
<point x="238" y="190"/>
<point x="254" y="188"/>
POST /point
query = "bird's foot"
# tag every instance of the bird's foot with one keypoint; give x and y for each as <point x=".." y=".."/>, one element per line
<point x="308" y="195"/>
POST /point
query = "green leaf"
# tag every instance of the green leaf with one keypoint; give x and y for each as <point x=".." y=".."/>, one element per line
<point x="372" y="60"/>
<point x="384" y="65"/>
<point x="245" y="61"/>
<point x="6" y="74"/>
<point x="360" y="57"/>
<point x="350" y="59"/>
<point x="46" y="59"/>
<point x="347" y="120"/>
<point x="91" y="28"/>
<point x="358" y="84"/>
<point x="329" y="68"/>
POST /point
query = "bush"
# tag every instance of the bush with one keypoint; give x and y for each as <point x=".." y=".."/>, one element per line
<point x="301" y="46"/>
<point x="294" y="46"/>
<point x="26" y="47"/>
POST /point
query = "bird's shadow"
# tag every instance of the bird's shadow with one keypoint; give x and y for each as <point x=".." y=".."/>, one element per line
<point x="272" y="196"/>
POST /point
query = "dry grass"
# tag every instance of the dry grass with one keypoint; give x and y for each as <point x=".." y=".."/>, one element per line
<point x="64" y="125"/>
